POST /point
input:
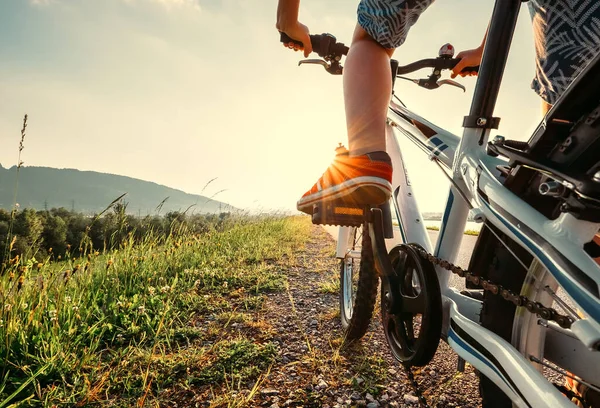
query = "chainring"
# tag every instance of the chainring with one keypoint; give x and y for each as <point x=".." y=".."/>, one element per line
<point x="411" y="307"/>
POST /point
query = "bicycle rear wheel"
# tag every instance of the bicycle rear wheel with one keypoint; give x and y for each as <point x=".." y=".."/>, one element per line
<point x="358" y="285"/>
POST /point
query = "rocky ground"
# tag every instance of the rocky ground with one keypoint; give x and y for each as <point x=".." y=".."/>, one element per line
<point x="315" y="369"/>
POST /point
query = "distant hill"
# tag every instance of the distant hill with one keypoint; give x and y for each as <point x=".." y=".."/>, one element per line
<point x="90" y="192"/>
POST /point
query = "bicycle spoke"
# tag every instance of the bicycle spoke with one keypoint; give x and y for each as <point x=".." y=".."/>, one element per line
<point x="414" y="305"/>
<point x="401" y="335"/>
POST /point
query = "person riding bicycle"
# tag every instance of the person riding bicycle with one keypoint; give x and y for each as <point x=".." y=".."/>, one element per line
<point x="566" y="36"/>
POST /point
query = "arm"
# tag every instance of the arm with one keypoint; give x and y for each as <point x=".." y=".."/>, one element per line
<point x="469" y="58"/>
<point x="287" y="21"/>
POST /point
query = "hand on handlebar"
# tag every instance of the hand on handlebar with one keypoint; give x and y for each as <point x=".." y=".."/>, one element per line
<point x="469" y="58"/>
<point x="298" y="32"/>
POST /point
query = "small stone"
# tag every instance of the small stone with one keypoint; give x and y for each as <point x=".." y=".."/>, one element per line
<point x="369" y="397"/>
<point x="275" y="405"/>
<point x="322" y="385"/>
<point x="313" y="322"/>
<point x="269" y="391"/>
<point x="392" y="371"/>
<point x="359" y="381"/>
<point x="432" y="372"/>
<point x="373" y="404"/>
<point x="394" y="404"/>
<point x="411" y="399"/>
<point x="355" y="396"/>
<point x="384" y="397"/>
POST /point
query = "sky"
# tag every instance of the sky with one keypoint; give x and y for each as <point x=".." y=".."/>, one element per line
<point x="179" y="92"/>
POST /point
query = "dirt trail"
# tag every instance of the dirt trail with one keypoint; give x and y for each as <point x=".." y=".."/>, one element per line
<point x="313" y="369"/>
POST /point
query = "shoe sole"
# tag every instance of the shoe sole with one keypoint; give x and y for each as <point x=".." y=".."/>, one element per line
<point x="358" y="192"/>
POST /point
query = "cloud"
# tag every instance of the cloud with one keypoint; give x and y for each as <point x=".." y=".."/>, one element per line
<point x="42" y="3"/>
<point x="175" y="4"/>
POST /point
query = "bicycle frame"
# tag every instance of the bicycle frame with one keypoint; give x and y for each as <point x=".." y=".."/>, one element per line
<point x="476" y="186"/>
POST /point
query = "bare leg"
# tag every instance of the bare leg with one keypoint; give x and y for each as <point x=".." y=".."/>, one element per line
<point x="545" y="107"/>
<point x="367" y="93"/>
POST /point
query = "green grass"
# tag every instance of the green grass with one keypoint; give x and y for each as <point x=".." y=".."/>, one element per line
<point x="467" y="232"/>
<point x="144" y="322"/>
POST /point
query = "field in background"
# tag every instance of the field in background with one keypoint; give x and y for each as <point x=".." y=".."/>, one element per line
<point x="128" y="327"/>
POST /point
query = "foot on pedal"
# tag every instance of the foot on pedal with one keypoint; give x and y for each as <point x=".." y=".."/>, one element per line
<point x="331" y="214"/>
<point x="351" y="182"/>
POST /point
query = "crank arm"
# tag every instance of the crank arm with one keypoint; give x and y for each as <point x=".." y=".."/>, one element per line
<point x="383" y="265"/>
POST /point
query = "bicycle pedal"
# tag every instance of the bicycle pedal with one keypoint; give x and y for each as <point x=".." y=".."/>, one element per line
<point x="338" y="215"/>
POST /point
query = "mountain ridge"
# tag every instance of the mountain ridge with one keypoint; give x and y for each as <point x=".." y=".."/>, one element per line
<point x="90" y="191"/>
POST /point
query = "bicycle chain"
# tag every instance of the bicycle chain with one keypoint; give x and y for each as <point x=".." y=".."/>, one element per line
<point x="411" y="376"/>
<point x="546" y="313"/>
<point x="539" y="309"/>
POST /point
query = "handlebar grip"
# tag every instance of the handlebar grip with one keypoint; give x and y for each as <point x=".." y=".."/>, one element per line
<point x="284" y="38"/>
<point x="470" y="70"/>
<point x="314" y="39"/>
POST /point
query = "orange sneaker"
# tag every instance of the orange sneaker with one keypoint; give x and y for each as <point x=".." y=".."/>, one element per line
<point x="351" y="181"/>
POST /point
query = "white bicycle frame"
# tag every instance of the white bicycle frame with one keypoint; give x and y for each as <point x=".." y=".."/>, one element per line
<point x="476" y="187"/>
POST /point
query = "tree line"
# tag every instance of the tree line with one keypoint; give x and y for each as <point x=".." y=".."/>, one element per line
<point x="39" y="234"/>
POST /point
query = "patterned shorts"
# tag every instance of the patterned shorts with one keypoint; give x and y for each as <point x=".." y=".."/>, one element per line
<point x="567" y="38"/>
<point x="566" y="35"/>
<point x="388" y="21"/>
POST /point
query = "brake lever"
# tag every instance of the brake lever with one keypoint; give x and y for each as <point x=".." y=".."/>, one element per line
<point x="415" y="81"/>
<point x="451" y="83"/>
<point x="333" y="68"/>
<point x="315" y="61"/>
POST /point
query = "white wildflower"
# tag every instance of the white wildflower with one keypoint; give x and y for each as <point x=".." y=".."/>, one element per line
<point x="141" y="310"/>
<point x="25" y="305"/>
<point x="151" y="290"/>
<point x="75" y="308"/>
<point x="165" y="289"/>
<point x="7" y="307"/>
<point x="68" y="299"/>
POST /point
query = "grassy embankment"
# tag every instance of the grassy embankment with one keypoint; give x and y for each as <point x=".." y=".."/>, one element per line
<point x="129" y="327"/>
<point x="467" y="232"/>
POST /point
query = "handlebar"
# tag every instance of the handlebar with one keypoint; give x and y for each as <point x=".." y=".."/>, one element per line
<point x="326" y="46"/>
<point x="436" y="63"/>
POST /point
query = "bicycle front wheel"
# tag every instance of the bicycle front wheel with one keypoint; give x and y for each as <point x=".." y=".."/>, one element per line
<point x="358" y="284"/>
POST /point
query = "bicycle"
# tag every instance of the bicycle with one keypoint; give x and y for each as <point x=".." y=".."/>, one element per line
<point x="539" y="203"/>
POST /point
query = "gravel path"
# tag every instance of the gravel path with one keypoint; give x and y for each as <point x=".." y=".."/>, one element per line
<point x="315" y="369"/>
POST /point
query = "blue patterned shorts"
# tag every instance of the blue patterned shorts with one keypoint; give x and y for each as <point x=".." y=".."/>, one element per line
<point x="566" y="35"/>
<point x="567" y="38"/>
<point x="388" y="21"/>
